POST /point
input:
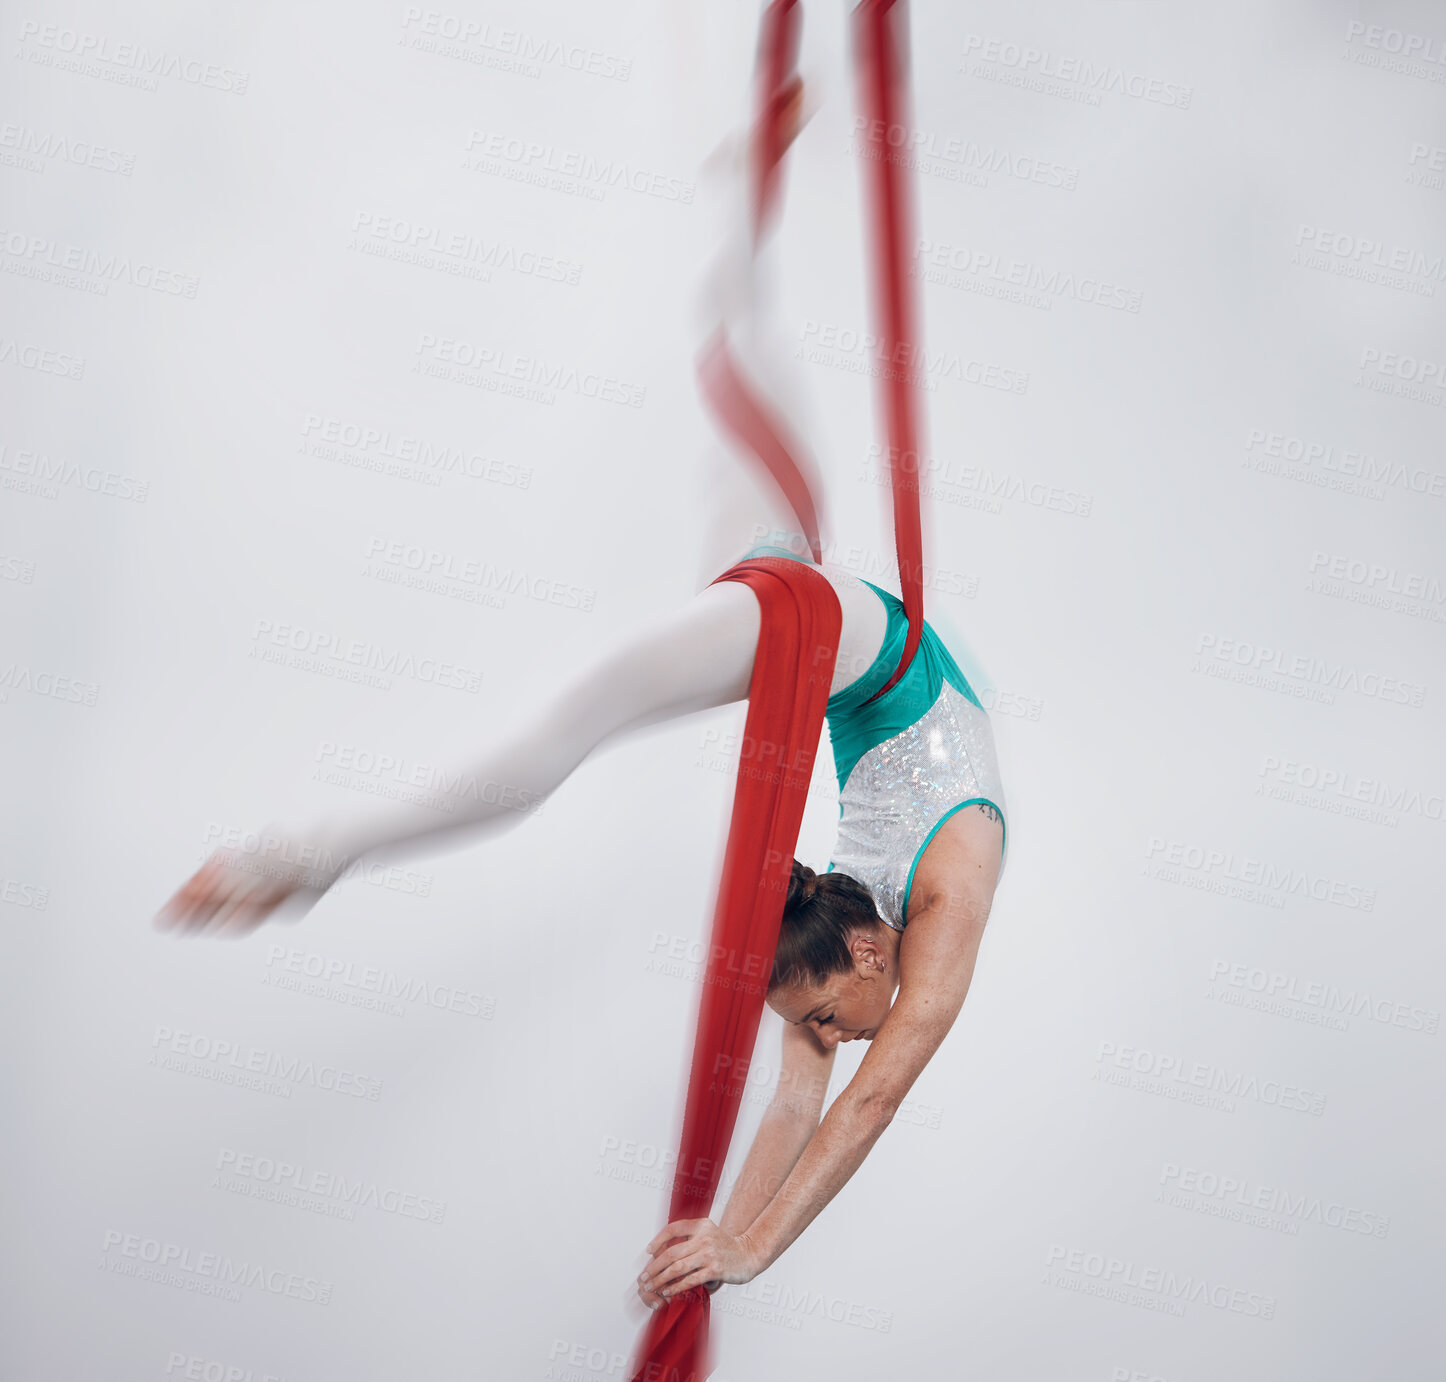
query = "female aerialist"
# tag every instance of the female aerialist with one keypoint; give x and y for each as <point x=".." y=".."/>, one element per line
<point x="881" y="946"/>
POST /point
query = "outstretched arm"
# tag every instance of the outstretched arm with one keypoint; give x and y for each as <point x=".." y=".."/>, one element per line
<point x="791" y="1120"/>
<point x="936" y="962"/>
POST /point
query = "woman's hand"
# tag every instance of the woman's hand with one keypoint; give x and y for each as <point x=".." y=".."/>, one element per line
<point x="234" y="891"/>
<point x="695" y="1252"/>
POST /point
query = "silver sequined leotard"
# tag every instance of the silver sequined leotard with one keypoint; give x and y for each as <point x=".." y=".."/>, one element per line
<point x="902" y="790"/>
<point x="907" y="761"/>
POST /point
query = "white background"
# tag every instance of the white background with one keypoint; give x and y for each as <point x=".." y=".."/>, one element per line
<point x="1172" y="666"/>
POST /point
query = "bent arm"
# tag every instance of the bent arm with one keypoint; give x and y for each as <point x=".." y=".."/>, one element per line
<point x="936" y="962"/>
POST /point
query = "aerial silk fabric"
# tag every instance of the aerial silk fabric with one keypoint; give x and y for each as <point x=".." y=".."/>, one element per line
<point x="787" y="696"/>
<point x="881" y="47"/>
<point x="798" y="638"/>
<point x="736" y="405"/>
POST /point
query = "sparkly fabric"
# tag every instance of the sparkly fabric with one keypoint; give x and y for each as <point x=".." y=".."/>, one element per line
<point x="898" y="791"/>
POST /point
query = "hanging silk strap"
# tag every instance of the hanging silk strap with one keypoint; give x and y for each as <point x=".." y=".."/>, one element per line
<point x="737" y="408"/>
<point x="787" y="696"/>
<point x="774" y="65"/>
<point x="881" y="47"/>
<point x="762" y="434"/>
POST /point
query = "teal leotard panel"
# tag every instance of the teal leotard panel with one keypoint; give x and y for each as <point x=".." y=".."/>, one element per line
<point x="854" y="728"/>
<point x="905" y="762"/>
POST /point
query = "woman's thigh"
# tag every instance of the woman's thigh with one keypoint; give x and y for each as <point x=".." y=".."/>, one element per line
<point x="699" y="657"/>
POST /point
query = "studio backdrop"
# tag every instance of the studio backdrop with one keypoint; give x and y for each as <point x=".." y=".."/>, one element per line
<point x="347" y="358"/>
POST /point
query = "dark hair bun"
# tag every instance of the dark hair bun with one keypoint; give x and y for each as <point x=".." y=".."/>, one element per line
<point x="821" y="913"/>
<point x="802" y="885"/>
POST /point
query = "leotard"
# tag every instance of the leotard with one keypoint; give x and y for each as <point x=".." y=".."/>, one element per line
<point x="905" y="762"/>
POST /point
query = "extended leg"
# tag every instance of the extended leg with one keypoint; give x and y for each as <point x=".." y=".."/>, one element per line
<point x="695" y="659"/>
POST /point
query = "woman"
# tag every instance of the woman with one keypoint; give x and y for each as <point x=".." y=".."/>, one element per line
<point x="881" y="946"/>
<point x="900" y="911"/>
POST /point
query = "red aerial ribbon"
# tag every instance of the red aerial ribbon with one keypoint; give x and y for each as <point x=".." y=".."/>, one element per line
<point x="881" y="37"/>
<point x="774" y="84"/>
<point x="787" y="697"/>
<point x="735" y="403"/>
<point x="763" y="434"/>
<point x="797" y="647"/>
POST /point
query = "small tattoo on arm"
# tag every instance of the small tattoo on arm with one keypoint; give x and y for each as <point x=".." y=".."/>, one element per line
<point x="988" y="810"/>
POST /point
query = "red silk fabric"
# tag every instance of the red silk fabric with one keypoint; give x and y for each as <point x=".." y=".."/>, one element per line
<point x="787" y="697"/>
<point x="774" y="64"/>
<point x="797" y="642"/>
<point x="740" y="413"/>
<point x="881" y="49"/>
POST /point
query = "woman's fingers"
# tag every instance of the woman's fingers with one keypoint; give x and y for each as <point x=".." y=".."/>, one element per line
<point x="677" y="1231"/>
<point x="219" y="897"/>
<point x="688" y="1270"/>
<point x="187" y="897"/>
<point x="695" y="1276"/>
<point x="231" y="894"/>
<point x="672" y="1262"/>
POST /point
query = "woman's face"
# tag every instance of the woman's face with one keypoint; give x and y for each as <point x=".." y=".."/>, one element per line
<point x="847" y="1006"/>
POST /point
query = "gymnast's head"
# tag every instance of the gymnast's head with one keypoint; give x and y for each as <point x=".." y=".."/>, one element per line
<point x="837" y="965"/>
